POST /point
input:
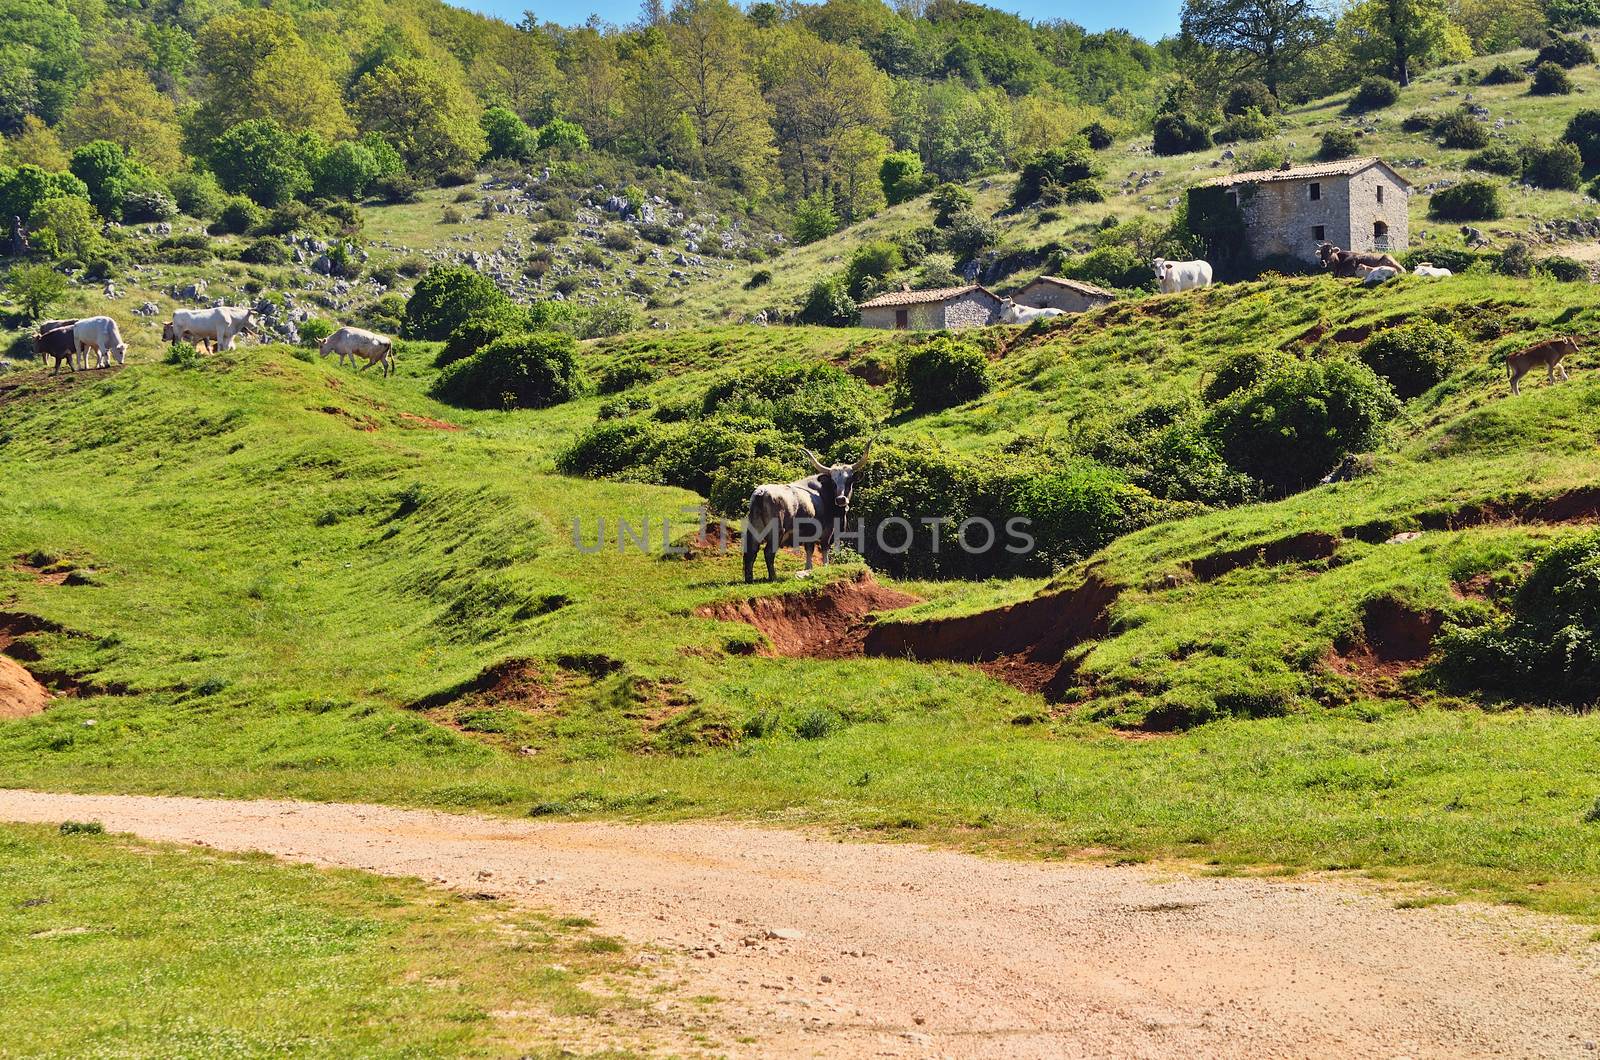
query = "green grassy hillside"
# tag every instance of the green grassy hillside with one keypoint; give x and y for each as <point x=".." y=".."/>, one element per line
<point x="265" y="575"/>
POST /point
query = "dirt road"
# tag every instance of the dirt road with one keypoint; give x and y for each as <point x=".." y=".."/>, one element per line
<point x="840" y="949"/>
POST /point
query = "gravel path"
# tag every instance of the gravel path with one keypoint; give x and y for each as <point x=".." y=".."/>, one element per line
<point x="840" y="949"/>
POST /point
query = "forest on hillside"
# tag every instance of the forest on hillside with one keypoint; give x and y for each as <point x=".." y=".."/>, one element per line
<point x="821" y="113"/>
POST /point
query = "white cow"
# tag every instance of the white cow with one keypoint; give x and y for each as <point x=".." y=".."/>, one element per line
<point x="1372" y="275"/>
<point x="1428" y="268"/>
<point x="359" y="342"/>
<point x="101" y="335"/>
<point x="1175" y="276"/>
<point x="1023" y="314"/>
<point x="218" y="326"/>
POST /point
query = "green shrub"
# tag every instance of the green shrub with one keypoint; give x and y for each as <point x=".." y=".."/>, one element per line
<point x="1177" y="134"/>
<point x="477" y="331"/>
<point x="1499" y="158"/>
<point x="1583" y="131"/>
<point x="1063" y="167"/>
<point x="759" y="278"/>
<point x="531" y="370"/>
<point x="970" y="235"/>
<point x="1471" y="200"/>
<point x="267" y="250"/>
<point x="1457" y="261"/>
<point x="1567" y="270"/>
<point x="1565" y="52"/>
<point x="830" y="304"/>
<point x="1554" y="164"/>
<point x="1418" y="122"/>
<point x="1241" y="371"/>
<point x="1460" y="128"/>
<point x="1336" y="144"/>
<point x="1503" y="74"/>
<point x="821" y="405"/>
<point x="940" y="374"/>
<point x="1414" y="357"/>
<point x="814" y="219"/>
<point x="615" y="316"/>
<point x="1300" y="420"/>
<point x="198" y="195"/>
<point x="1548" y="647"/>
<point x="1097" y="136"/>
<point x="446" y="297"/>
<point x="1374" y="93"/>
<point x="870" y="265"/>
<point x="1109" y="266"/>
<point x="314" y="329"/>
<point x="1248" y="127"/>
<point x="182" y="355"/>
<point x="1550" y="80"/>
<point x="610" y="448"/>
<point x="625" y="375"/>
<point x="144" y="205"/>
<point x="1251" y="95"/>
<point x="731" y="486"/>
<point x="948" y="200"/>
<point x="237" y="216"/>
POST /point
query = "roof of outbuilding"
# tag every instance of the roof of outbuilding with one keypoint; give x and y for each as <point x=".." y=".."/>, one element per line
<point x="1082" y="288"/>
<point x="933" y="294"/>
<point x="1347" y="167"/>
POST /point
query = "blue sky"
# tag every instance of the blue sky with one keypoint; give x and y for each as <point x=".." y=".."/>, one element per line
<point x="1150" y="19"/>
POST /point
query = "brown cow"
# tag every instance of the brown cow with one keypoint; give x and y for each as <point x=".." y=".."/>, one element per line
<point x="1549" y="353"/>
<point x="1343" y="262"/>
<point x="56" y="339"/>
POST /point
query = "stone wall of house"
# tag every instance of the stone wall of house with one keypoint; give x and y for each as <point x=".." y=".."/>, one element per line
<point x="878" y="316"/>
<point x="923" y="316"/>
<point x="971" y="310"/>
<point x="1281" y="218"/>
<point x="1040" y="295"/>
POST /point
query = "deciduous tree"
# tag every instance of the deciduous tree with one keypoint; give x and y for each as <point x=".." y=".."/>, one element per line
<point x="1256" y="38"/>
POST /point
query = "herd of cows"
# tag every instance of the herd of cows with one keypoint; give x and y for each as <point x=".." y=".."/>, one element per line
<point x="217" y="328"/>
<point x="1370" y="267"/>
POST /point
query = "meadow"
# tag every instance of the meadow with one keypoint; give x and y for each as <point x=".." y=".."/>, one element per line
<point x="263" y="575"/>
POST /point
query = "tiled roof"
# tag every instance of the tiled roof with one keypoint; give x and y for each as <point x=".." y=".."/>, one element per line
<point x="1082" y="288"/>
<point x="935" y="294"/>
<point x="1348" y="167"/>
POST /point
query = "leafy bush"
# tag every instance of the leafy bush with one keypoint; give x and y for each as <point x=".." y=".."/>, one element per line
<point x="1374" y="93"/>
<point x="1503" y="74"/>
<point x="626" y="374"/>
<point x="940" y="374"/>
<point x="1461" y="129"/>
<point x="1337" y="144"/>
<point x="144" y="205"/>
<point x="758" y="278"/>
<point x="1501" y="159"/>
<point x="820" y="404"/>
<point x="1241" y="372"/>
<point x="1178" y="134"/>
<point x="267" y="250"/>
<point x="445" y="298"/>
<point x="869" y="266"/>
<point x="1109" y="266"/>
<point x="1058" y="167"/>
<point x="814" y="219"/>
<point x="237" y="216"/>
<point x="198" y="195"/>
<point x="181" y="355"/>
<point x="1567" y="270"/>
<point x="1097" y="136"/>
<point x="1300" y="420"/>
<point x="901" y="176"/>
<point x="1554" y="164"/>
<point x="1548" y="647"/>
<point x="477" y="331"/>
<point x="1583" y="131"/>
<point x="314" y="329"/>
<point x="1515" y="260"/>
<point x="1414" y="357"/>
<point x="948" y="201"/>
<point x="615" y="316"/>
<point x="1565" y="52"/>
<point x="970" y="235"/>
<point x="1418" y="122"/>
<point x="1550" y="80"/>
<point x="830" y="304"/>
<point x="732" y="485"/>
<point x="1471" y="200"/>
<point x="531" y="370"/>
<point x="1248" y="127"/>
<point x="1247" y="96"/>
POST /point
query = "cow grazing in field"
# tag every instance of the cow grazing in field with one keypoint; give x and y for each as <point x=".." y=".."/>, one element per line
<point x="218" y="326"/>
<point x="1342" y="263"/>
<point x="1012" y="313"/>
<point x="1371" y="276"/>
<point x="809" y="512"/>
<point x="55" y="339"/>
<point x="1175" y="276"/>
<point x="359" y="342"/>
<point x="1549" y="353"/>
<point x="1428" y="268"/>
<point x="101" y="335"/>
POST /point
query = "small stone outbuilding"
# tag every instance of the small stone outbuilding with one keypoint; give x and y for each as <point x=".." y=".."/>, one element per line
<point x="1356" y="204"/>
<point x="1071" y="296"/>
<point x="971" y="306"/>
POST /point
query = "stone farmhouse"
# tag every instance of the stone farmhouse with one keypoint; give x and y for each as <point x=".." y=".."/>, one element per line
<point x="971" y="306"/>
<point x="1357" y="204"/>
<point x="1071" y="296"/>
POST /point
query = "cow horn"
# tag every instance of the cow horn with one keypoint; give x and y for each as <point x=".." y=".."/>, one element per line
<point x="861" y="462"/>
<point x="818" y="464"/>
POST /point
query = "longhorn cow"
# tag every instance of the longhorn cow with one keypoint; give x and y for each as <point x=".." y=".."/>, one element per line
<point x="808" y="512"/>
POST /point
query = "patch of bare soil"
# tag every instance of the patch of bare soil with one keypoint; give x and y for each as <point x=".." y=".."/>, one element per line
<point x="53" y="573"/>
<point x="1393" y="642"/>
<point x="819" y="948"/>
<point x="826" y="623"/>
<point x="429" y="422"/>
<point x="21" y="695"/>
<point x="1025" y="644"/>
<point x="38" y="382"/>
<point x="1299" y="548"/>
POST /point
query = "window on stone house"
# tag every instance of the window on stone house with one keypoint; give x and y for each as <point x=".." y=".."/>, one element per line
<point x="1380" y="193"/>
<point x="1233" y="199"/>
<point x="1316" y="191"/>
<point x="1319" y="233"/>
<point x="902" y="319"/>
